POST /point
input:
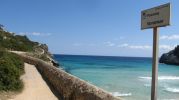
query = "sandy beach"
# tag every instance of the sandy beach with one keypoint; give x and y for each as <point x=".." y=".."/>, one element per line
<point x="35" y="88"/>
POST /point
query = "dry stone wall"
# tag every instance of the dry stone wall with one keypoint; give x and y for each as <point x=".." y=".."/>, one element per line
<point x="66" y="85"/>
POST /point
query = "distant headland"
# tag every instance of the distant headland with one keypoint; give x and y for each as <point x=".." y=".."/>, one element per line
<point x="172" y="57"/>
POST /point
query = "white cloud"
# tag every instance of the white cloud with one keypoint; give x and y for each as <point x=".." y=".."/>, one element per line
<point x="170" y="37"/>
<point x="77" y="44"/>
<point x="35" y="33"/>
<point x="161" y="47"/>
<point x="140" y="47"/>
<point x="125" y="45"/>
<point x="166" y="47"/>
<point x="109" y="44"/>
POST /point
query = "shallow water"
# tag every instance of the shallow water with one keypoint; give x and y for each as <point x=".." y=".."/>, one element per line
<point x="127" y="77"/>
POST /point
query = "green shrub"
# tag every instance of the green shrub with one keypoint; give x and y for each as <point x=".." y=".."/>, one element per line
<point x="16" y="42"/>
<point x="19" y="64"/>
<point x="11" y="68"/>
<point x="44" y="57"/>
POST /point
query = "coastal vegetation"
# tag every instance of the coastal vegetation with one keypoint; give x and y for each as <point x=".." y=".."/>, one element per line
<point x="11" y="68"/>
<point x="11" y="41"/>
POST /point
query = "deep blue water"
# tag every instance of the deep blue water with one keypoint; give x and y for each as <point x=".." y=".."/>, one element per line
<point x="127" y="77"/>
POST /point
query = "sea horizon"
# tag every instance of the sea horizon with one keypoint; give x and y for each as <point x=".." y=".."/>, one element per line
<point x="103" y="55"/>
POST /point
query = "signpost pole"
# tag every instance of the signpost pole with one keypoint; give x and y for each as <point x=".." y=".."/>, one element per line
<point x="153" y="18"/>
<point x="155" y="64"/>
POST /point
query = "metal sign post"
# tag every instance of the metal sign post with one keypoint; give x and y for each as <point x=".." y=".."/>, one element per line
<point x="153" y="18"/>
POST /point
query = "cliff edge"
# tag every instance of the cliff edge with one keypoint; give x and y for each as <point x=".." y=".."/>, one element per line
<point x="13" y="42"/>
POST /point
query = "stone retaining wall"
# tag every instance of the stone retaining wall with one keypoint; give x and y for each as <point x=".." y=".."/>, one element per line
<point x="67" y="85"/>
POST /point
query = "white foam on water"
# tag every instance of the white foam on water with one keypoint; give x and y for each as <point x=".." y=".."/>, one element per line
<point x="162" y="78"/>
<point x="147" y="85"/>
<point x="147" y="78"/>
<point x="117" y="94"/>
<point x="173" y="90"/>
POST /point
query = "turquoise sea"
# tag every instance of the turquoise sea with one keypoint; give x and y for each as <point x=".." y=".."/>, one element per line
<point x="127" y="77"/>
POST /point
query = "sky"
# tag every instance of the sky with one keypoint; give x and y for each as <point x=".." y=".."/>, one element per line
<point x="89" y="27"/>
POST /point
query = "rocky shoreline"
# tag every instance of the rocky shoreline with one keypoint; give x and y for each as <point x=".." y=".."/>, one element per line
<point x="41" y="51"/>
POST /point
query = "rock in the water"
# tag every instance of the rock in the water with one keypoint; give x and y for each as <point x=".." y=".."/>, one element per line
<point x="55" y="63"/>
<point x="171" y="57"/>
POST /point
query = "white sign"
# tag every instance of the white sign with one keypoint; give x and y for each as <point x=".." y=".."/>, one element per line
<point x="156" y="17"/>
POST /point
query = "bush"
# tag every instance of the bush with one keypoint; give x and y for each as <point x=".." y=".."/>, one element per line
<point x="16" y="42"/>
<point x="19" y="64"/>
<point x="11" y="68"/>
<point x="44" y="57"/>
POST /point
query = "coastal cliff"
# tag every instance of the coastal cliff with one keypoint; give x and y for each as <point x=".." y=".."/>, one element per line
<point x="172" y="57"/>
<point x="12" y="42"/>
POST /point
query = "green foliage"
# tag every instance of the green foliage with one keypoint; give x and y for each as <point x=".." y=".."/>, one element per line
<point x="16" y="42"/>
<point x="10" y="41"/>
<point x="44" y="57"/>
<point x="11" y="68"/>
<point x="17" y="61"/>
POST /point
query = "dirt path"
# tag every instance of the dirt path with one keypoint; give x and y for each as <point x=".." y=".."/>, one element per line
<point x="35" y="88"/>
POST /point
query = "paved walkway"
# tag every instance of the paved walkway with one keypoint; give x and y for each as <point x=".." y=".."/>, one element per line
<point x="35" y="88"/>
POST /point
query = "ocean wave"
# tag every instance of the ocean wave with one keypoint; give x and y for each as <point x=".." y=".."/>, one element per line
<point x="162" y="78"/>
<point x="173" y="90"/>
<point x="147" y="85"/>
<point x="117" y="94"/>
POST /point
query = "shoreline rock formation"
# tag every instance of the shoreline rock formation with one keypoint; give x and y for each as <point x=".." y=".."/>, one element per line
<point x="171" y="58"/>
<point x="41" y="51"/>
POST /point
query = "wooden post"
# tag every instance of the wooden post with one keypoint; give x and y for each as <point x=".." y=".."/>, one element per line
<point x="155" y="64"/>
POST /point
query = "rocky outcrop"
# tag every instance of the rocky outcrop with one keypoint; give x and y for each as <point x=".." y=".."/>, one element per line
<point x="41" y="51"/>
<point x="68" y="86"/>
<point x="172" y="57"/>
